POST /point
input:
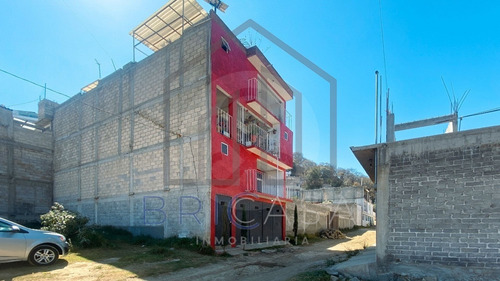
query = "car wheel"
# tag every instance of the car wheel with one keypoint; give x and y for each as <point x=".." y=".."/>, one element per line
<point x="43" y="255"/>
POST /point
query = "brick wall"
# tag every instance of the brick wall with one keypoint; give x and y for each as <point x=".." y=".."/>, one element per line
<point x="25" y="170"/>
<point x="443" y="203"/>
<point x="134" y="151"/>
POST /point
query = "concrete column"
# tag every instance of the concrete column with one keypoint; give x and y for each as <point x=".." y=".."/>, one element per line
<point x="382" y="174"/>
<point x="390" y="137"/>
<point x="7" y="120"/>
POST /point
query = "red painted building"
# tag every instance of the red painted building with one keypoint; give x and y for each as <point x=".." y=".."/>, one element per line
<point x="251" y="144"/>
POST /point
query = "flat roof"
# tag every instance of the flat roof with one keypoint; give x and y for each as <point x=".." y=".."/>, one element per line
<point x="166" y="24"/>
<point x="366" y="157"/>
<point x="267" y="70"/>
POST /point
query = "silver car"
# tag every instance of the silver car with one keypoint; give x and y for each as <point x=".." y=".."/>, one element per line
<point x="20" y="243"/>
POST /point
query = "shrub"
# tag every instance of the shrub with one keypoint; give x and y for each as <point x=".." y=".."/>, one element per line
<point x="63" y="221"/>
<point x="90" y="237"/>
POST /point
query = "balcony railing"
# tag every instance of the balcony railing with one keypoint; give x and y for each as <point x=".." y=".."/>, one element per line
<point x="224" y="121"/>
<point x="257" y="182"/>
<point x="259" y="91"/>
<point x="254" y="135"/>
<point x="273" y="190"/>
<point x="289" y="120"/>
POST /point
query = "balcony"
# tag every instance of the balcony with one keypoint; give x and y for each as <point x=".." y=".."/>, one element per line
<point x="262" y="141"/>
<point x="224" y="121"/>
<point x="264" y="102"/>
<point x="264" y="183"/>
<point x="254" y="135"/>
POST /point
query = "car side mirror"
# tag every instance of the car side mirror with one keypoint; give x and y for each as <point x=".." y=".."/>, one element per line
<point x="15" y="228"/>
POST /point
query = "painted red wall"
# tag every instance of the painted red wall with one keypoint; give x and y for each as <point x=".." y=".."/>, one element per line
<point x="286" y="146"/>
<point x="230" y="71"/>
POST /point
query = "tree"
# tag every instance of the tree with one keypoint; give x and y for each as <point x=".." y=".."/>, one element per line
<point x="329" y="175"/>
<point x="313" y="178"/>
<point x="295" y="223"/>
<point x="324" y="174"/>
<point x="301" y="165"/>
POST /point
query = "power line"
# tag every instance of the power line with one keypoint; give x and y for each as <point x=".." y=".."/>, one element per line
<point x="82" y="22"/>
<point x="34" y="83"/>
<point x="12" y="105"/>
<point x="90" y="105"/>
<point x="383" y="42"/>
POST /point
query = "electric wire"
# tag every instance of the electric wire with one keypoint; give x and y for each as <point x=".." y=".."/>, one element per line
<point x="28" y="102"/>
<point x="34" y="83"/>
<point x="92" y="35"/>
<point x="383" y="43"/>
<point x="151" y="122"/>
<point x="155" y="124"/>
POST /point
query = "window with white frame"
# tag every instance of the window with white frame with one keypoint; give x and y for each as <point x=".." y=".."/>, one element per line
<point x="260" y="181"/>
<point x="224" y="148"/>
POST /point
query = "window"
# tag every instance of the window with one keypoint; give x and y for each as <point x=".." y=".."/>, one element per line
<point x="223" y="118"/>
<point x="225" y="45"/>
<point x="260" y="179"/>
<point x="4" y="227"/>
<point x="286" y="136"/>
<point x="224" y="148"/>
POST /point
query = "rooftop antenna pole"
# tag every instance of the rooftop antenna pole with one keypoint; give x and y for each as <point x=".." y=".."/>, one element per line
<point x="99" y="66"/>
<point x="376" y="106"/>
<point x="183" y="17"/>
<point x="45" y="91"/>
<point x="380" y="109"/>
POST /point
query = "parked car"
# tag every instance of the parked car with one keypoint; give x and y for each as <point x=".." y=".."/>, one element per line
<point x="20" y="243"/>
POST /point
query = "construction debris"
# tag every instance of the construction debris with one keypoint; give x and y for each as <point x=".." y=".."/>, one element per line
<point x="331" y="234"/>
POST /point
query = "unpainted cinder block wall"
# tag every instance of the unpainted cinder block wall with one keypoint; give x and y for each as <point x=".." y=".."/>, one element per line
<point x="25" y="170"/>
<point x="134" y="151"/>
<point x="311" y="218"/>
<point x="444" y="199"/>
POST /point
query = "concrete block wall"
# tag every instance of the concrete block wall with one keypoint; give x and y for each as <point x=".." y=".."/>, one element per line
<point x="443" y="200"/>
<point x="134" y="151"/>
<point x="312" y="218"/>
<point x="25" y="170"/>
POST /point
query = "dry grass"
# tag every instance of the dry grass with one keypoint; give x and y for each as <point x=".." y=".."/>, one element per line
<point x="122" y="262"/>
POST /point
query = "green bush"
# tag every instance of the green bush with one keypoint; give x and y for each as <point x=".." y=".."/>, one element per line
<point x="63" y="221"/>
<point x="90" y="237"/>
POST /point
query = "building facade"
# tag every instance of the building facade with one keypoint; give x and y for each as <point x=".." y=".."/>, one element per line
<point x="25" y="168"/>
<point x="190" y="141"/>
<point x="350" y="204"/>
<point x="437" y="199"/>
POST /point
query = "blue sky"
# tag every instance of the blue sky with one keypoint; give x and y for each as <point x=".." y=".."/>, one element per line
<point x="57" y="42"/>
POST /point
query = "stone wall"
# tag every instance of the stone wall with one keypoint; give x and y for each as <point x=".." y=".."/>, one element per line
<point x="442" y="194"/>
<point x="134" y="151"/>
<point x="25" y="170"/>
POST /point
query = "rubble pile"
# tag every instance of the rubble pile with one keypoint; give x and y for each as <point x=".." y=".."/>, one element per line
<point x="331" y="234"/>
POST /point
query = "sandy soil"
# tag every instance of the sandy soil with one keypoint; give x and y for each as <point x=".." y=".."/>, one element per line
<point x="281" y="265"/>
<point x="278" y="264"/>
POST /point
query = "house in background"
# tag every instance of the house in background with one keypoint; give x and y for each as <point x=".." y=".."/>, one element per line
<point x="190" y="141"/>
<point x="348" y="206"/>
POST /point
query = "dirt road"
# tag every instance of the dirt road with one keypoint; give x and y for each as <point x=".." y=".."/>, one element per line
<point x="280" y="265"/>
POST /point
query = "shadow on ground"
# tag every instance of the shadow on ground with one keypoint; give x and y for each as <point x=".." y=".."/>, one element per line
<point x="8" y="271"/>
